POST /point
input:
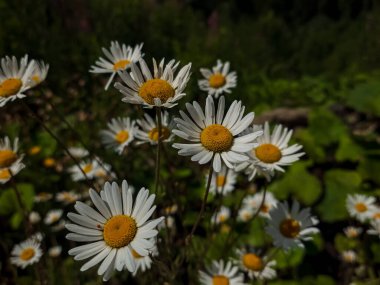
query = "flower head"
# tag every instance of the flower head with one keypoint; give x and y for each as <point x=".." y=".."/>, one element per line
<point x="360" y="206"/>
<point x="255" y="265"/>
<point x="26" y="253"/>
<point x="253" y="202"/>
<point x="221" y="273"/>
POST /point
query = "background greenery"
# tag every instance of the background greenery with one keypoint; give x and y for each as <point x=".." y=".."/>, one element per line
<point x="312" y="65"/>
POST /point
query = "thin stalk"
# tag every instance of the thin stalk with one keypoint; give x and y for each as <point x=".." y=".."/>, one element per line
<point x="37" y="117"/>
<point x="87" y="147"/>
<point x="158" y="154"/>
<point x="200" y="215"/>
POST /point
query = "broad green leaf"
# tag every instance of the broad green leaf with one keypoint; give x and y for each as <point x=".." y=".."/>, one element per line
<point x="365" y="98"/>
<point x="348" y="150"/>
<point x="290" y="258"/>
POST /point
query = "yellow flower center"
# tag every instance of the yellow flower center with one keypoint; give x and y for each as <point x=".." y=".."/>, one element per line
<point x="87" y="168"/>
<point x="49" y="162"/>
<point x="217" y="80"/>
<point x="7" y="158"/>
<point x="27" y="254"/>
<point x="253" y="262"/>
<point x="290" y="228"/>
<point x="376" y="216"/>
<point x="223" y="218"/>
<point x="361" y="207"/>
<point x="268" y="153"/>
<point x="216" y="138"/>
<point x="5" y="173"/>
<point x="122" y="136"/>
<point x="265" y="208"/>
<point x="36" y="78"/>
<point x="220" y="280"/>
<point x="156" y="88"/>
<point x="221" y="181"/>
<point x="153" y="134"/>
<point x="68" y="197"/>
<point x="135" y="254"/>
<point x="10" y="87"/>
<point x="121" y="64"/>
<point x="34" y="150"/>
<point x="119" y="231"/>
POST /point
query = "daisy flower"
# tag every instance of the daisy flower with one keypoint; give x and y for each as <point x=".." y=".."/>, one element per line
<point x="376" y="213"/>
<point x="254" y="202"/>
<point x="375" y="228"/>
<point x="59" y="226"/>
<point x="256" y="266"/>
<point x="273" y="152"/>
<point x="118" y="58"/>
<point x="8" y="154"/>
<point x="55" y="251"/>
<point x="7" y="173"/>
<point x="349" y="256"/>
<point x="114" y="230"/>
<point x="143" y="263"/>
<point x="168" y="222"/>
<point x="160" y="89"/>
<point x="78" y="152"/>
<point x="90" y="167"/>
<point x="26" y="253"/>
<point x="214" y="134"/>
<point x="218" y="80"/>
<point x="352" y="232"/>
<point x="222" y="216"/>
<point x="148" y="131"/>
<point x="67" y="197"/>
<point x="245" y="214"/>
<point x="121" y="131"/>
<point x="170" y="210"/>
<point x="39" y="73"/>
<point x="43" y="197"/>
<point x="14" y="78"/>
<point x="220" y="273"/>
<point x="290" y="226"/>
<point x="34" y="217"/>
<point x="53" y="216"/>
<point x="360" y="206"/>
<point x="222" y="182"/>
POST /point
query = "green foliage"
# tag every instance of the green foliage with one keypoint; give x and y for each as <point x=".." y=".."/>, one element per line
<point x="365" y="98"/>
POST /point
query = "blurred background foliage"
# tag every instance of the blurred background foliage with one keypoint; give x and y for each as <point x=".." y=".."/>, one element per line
<point x="311" y="65"/>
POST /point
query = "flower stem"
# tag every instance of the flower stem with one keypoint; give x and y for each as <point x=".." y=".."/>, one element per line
<point x="158" y="154"/>
<point x="37" y="117"/>
<point x="200" y="215"/>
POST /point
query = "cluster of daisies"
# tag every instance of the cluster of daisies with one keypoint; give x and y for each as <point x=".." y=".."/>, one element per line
<point x="117" y="231"/>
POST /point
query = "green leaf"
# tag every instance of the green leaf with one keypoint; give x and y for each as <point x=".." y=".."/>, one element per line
<point x="343" y="243"/>
<point x="318" y="280"/>
<point x="370" y="169"/>
<point x="16" y="220"/>
<point x="310" y="145"/>
<point x="290" y="258"/>
<point x="348" y="150"/>
<point x="47" y="143"/>
<point x="365" y="98"/>
<point x="8" y="199"/>
<point x="339" y="183"/>
<point x="298" y="182"/>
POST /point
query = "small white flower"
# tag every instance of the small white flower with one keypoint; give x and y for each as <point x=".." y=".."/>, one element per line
<point x="120" y="133"/>
<point x="375" y="228"/>
<point x="349" y="256"/>
<point x="59" y="227"/>
<point x="53" y="216"/>
<point x="160" y="89"/>
<point x="222" y="183"/>
<point x="352" y="232"/>
<point x="148" y="131"/>
<point x="360" y="206"/>
<point x="245" y="214"/>
<point x="254" y="202"/>
<point x="7" y="173"/>
<point x="118" y="58"/>
<point x="43" y="197"/>
<point x="34" y="217"/>
<point x="39" y="74"/>
<point x="168" y="222"/>
<point x="290" y="226"/>
<point x="26" y="253"/>
<point x="255" y="265"/>
<point x="215" y="134"/>
<point x="222" y="216"/>
<point x="221" y="273"/>
<point x="55" y="251"/>
<point x="218" y="80"/>
<point x="78" y="152"/>
<point x="67" y="197"/>
<point x="89" y="167"/>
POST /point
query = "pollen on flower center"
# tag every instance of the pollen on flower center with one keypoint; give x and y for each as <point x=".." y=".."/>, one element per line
<point x="220" y="280"/>
<point x="361" y="207"/>
<point x="156" y="88"/>
<point x="216" y="138"/>
<point x="290" y="228"/>
<point x="122" y="136"/>
<point x="4" y="173"/>
<point x="153" y="134"/>
<point x="87" y="168"/>
<point x="253" y="262"/>
<point x="221" y="181"/>
<point x="265" y="208"/>
<point x="121" y="64"/>
<point x="135" y="254"/>
<point x="36" y="78"/>
<point x="7" y="158"/>
<point x="217" y="80"/>
<point x="268" y="153"/>
<point x="27" y="254"/>
<point x="10" y="87"/>
<point x="119" y="231"/>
